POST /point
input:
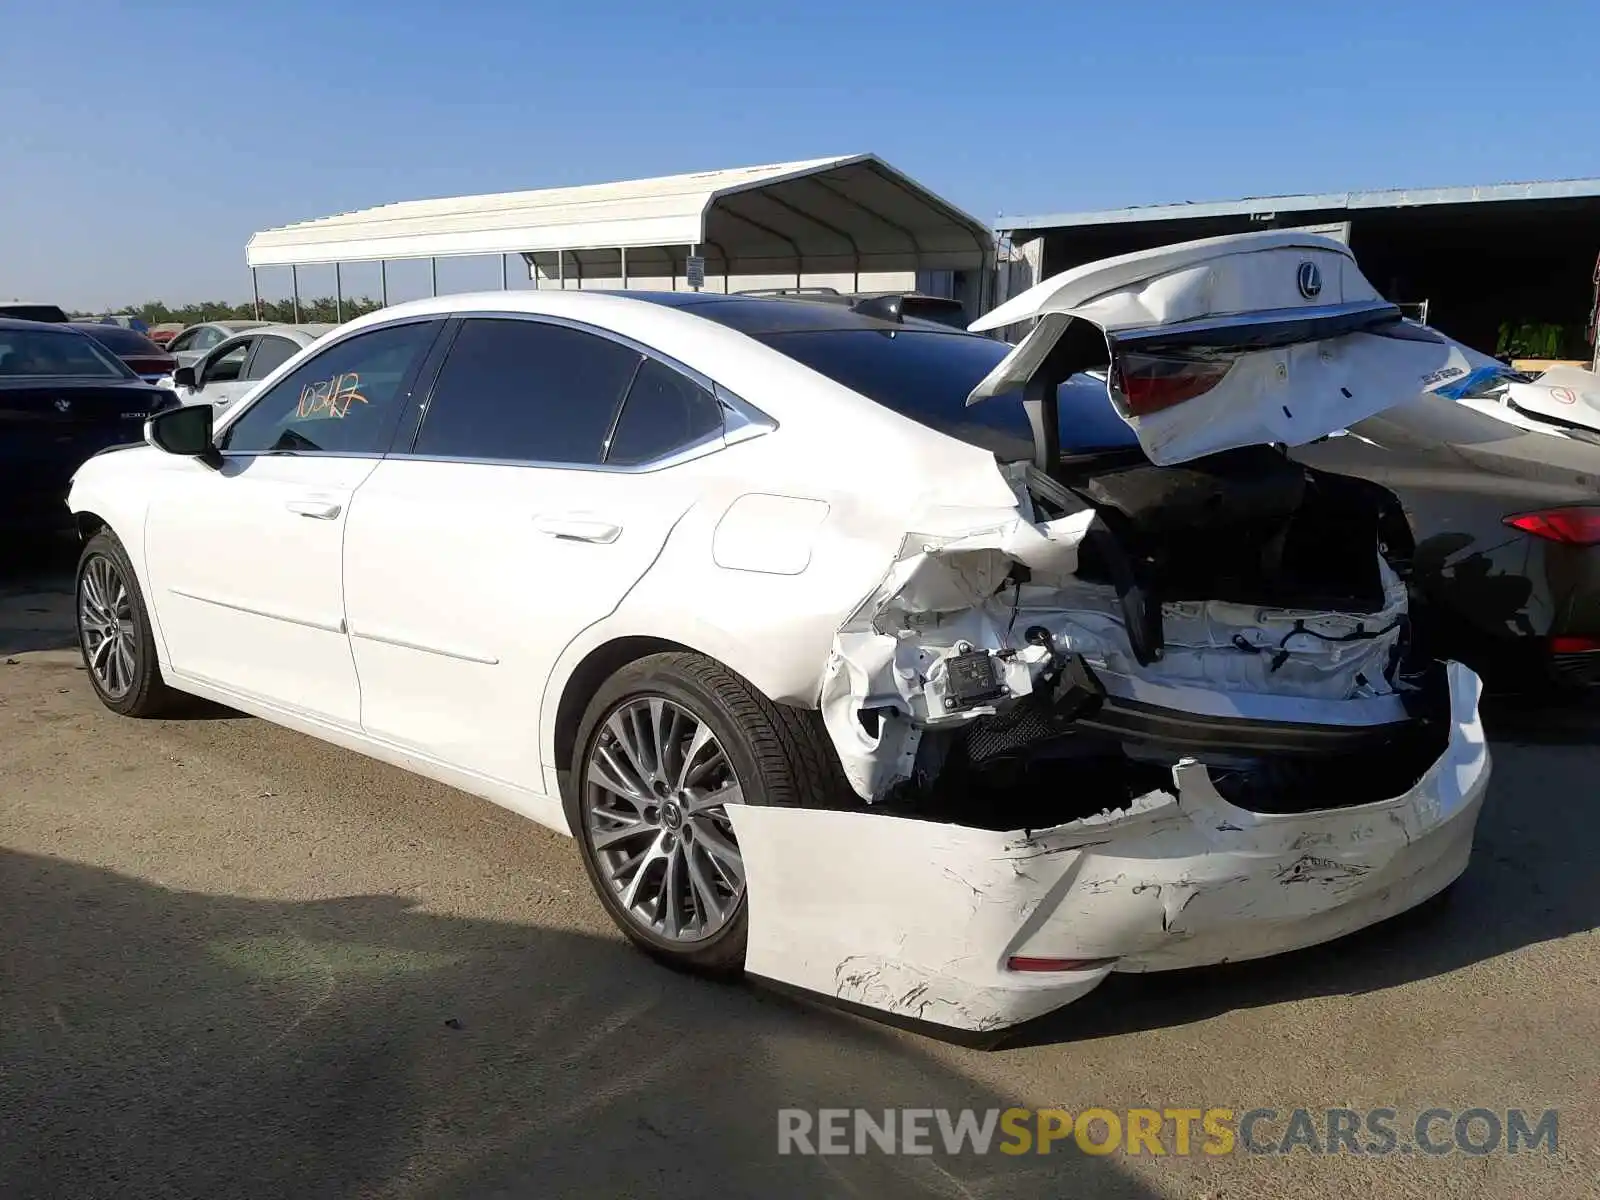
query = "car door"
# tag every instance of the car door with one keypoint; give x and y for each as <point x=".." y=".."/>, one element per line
<point x="245" y="561"/>
<point x="217" y="374"/>
<point x="473" y="558"/>
<point x="181" y="346"/>
<point x="266" y="354"/>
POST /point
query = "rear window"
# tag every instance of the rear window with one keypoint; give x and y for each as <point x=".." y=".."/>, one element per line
<point x="927" y="376"/>
<point x="35" y="353"/>
<point x="119" y="340"/>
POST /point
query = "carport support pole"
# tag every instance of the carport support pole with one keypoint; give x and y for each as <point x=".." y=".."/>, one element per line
<point x="383" y="281"/>
<point x="433" y="274"/>
<point x="294" y="283"/>
<point x="505" y="278"/>
<point x="561" y="269"/>
<point x="623" y="251"/>
<point x="255" y="291"/>
<point x="693" y="252"/>
<point x="338" y="296"/>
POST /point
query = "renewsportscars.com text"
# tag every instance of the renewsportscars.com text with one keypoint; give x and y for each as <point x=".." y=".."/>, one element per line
<point x="1167" y="1131"/>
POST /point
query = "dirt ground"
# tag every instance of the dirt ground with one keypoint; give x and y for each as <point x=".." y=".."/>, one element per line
<point x="238" y="962"/>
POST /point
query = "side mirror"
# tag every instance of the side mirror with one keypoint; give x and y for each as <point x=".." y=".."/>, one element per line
<point x="184" y="377"/>
<point x="184" y="431"/>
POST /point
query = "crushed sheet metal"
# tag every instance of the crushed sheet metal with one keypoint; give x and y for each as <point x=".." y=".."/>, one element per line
<point x="918" y="918"/>
<point x="939" y="595"/>
<point x="886" y="680"/>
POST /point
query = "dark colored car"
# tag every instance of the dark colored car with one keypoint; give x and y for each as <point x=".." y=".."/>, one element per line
<point x="1503" y="523"/>
<point x="23" y="311"/>
<point x="891" y="306"/>
<point x="63" y="397"/>
<point x="144" y="358"/>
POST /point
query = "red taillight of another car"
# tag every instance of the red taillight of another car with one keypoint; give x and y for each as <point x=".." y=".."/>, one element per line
<point x="151" y="364"/>
<point x="1150" y="383"/>
<point x="1571" y="526"/>
<point x="1563" y="643"/>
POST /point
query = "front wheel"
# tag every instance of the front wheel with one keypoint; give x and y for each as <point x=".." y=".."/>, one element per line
<point x="668" y="745"/>
<point x="114" y="633"/>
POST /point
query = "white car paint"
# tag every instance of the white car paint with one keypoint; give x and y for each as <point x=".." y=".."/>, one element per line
<point x="833" y="553"/>
<point x="1563" y="401"/>
<point x="1563" y="396"/>
<point x="861" y="907"/>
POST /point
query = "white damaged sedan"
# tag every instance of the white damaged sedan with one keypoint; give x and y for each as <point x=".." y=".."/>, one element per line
<point x="797" y="619"/>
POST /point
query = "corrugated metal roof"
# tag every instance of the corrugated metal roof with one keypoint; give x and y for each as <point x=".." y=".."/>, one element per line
<point x="1555" y="189"/>
<point x="826" y="213"/>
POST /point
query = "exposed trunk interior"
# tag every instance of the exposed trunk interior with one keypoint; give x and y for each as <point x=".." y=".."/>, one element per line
<point x="1250" y="526"/>
<point x="1019" y="770"/>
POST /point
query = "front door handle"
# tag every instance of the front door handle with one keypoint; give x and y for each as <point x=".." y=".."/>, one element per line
<point x="579" y="529"/>
<point x="320" y="510"/>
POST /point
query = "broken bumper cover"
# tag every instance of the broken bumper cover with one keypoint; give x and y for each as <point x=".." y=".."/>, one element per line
<point x="920" y="919"/>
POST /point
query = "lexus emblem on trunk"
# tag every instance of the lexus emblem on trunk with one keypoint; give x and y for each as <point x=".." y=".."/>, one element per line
<point x="63" y="405"/>
<point x="1310" y="280"/>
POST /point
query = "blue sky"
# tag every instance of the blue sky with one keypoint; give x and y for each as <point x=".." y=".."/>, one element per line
<point x="143" y="143"/>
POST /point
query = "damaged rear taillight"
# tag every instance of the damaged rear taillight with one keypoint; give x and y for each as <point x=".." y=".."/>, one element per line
<point x="1574" y="526"/>
<point x="1152" y="382"/>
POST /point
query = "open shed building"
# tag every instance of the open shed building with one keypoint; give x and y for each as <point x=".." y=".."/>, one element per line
<point x="1504" y="268"/>
<point x="850" y="223"/>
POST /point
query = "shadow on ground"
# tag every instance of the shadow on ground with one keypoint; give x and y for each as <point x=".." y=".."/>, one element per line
<point x="36" y="595"/>
<point x="159" y="1042"/>
<point x="1531" y="880"/>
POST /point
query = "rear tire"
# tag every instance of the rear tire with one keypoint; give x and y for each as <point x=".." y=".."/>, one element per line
<point x="666" y="744"/>
<point x="114" y="634"/>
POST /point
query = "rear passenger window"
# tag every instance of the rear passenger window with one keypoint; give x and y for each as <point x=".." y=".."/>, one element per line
<point x="665" y="411"/>
<point x="271" y="353"/>
<point x="526" y="391"/>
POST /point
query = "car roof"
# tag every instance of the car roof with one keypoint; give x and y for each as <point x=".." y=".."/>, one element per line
<point x="754" y="315"/>
<point x="310" y="331"/>
<point x="230" y="326"/>
<point x="19" y="323"/>
<point x="758" y="315"/>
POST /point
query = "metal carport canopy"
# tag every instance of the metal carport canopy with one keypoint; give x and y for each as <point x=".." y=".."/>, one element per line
<point x="852" y="213"/>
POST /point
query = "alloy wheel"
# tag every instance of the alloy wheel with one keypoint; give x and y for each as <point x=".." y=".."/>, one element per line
<point x="107" y="627"/>
<point x="655" y="803"/>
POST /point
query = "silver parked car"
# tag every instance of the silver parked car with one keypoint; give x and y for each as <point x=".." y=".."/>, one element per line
<point x="190" y="346"/>
<point x="235" y="365"/>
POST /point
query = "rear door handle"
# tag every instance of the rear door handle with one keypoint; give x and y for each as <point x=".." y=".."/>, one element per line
<point x="321" y="510"/>
<point x="578" y="529"/>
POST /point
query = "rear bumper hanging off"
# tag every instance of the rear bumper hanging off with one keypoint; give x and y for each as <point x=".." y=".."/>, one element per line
<point x="927" y="920"/>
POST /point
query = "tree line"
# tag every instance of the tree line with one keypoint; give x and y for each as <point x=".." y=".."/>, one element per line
<point x="319" y="309"/>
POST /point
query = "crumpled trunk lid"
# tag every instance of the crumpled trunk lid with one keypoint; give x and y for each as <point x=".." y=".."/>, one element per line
<point x="1223" y="343"/>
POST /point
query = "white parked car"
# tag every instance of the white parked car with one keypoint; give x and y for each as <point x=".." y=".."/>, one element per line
<point x="234" y="366"/>
<point x="193" y="343"/>
<point x="1564" y="400"/>
<point x="771" y="606"/>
